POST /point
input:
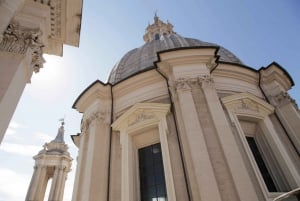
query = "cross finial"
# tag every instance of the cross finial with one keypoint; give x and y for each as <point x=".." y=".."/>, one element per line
<point x="62" y="120"/>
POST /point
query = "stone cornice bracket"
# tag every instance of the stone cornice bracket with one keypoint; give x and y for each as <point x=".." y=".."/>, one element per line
<point x="19" y="40"/>
<point x="206" y="81"/>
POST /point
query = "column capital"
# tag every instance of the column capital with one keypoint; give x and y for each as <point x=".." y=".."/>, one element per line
<point x="283" y="98"/>
<point x="95" y="116"/>
<point x="18" y="39"/>
<point x="182" y="84"/>
<point x="206" y="81"/>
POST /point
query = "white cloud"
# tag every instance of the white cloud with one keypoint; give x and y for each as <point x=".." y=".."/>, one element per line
<point x="13" y="186"/>
<point x="44" y="137"/>
<point x="20" y="149"/>
<point x="14" y="124"/>
<point x="10" y="131"/>
<point x="12" y="127"/>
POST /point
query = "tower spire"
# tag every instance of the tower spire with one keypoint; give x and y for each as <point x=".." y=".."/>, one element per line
<point x="158" y="29"/>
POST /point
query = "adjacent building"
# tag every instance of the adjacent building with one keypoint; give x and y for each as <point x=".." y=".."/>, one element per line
<point x="29" y="29"/>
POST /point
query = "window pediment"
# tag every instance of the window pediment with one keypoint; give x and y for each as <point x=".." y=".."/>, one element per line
<point x="141" y="115"/>
<point x="246" y="104"/>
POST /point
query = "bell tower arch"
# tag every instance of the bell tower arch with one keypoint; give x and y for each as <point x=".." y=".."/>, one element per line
<point x="53" y="162"/>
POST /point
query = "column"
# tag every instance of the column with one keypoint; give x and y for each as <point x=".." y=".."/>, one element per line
<point x="53" y="185"/>
<point x="41" y="188"/>
<point x="62" y="188"/>
<point x="20" y="55"/>
<point x="163" y="131"/>
<point x="93" y="182"/>
<point x="199" y="168"/>
<point x="127" y="180"/>
<point x="57" y="184"/>
<point x="241" y="180"/>
<point x="33" y="183"/>
<point x="80" y="165"/>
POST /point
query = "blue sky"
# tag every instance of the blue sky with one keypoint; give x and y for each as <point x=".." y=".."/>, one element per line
<point x="258" y="32"/>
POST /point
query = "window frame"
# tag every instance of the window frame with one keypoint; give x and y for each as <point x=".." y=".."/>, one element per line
<point x="247" y="106"/>
<point x="142" y="125"/>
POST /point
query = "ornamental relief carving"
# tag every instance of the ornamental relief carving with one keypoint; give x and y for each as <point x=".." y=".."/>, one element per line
<point x="96" y="116"/>
<point x="18" y="40"/>
<point x="246" y="104"/>
<point x="140" y="116"/>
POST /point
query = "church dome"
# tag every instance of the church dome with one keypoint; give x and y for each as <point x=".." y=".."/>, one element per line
<point x="159" y="37"/>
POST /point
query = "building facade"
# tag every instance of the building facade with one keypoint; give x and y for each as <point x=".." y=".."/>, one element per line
<point x="28" y="29"/>
<point x="182" y="119"/>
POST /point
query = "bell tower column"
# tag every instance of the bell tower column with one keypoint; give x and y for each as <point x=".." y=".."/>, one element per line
<point x="53" y="162"/>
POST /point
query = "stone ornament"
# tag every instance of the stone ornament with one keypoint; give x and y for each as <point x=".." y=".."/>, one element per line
<point x="19" y="40"/>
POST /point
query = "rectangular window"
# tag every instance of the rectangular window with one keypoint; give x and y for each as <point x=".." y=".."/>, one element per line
<point x="261" y="165"/>
<point x="152" y="178"/>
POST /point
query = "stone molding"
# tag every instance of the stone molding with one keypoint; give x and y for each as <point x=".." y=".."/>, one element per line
<point x="19" y="40"/>
<point x="55" y="13"/>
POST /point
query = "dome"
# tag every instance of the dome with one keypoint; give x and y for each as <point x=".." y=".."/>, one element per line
<point x="159" y="37"/>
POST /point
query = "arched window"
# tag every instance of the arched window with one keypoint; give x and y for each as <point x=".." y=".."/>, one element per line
<point x="157" y="36"/>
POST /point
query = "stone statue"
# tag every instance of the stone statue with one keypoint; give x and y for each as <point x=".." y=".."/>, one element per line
<point x="60" y="134"/>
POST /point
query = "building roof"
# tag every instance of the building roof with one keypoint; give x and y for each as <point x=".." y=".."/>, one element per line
<point x="160" y="36"/>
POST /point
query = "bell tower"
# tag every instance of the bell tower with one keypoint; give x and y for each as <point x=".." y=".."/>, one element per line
<point x="53" y="162"/>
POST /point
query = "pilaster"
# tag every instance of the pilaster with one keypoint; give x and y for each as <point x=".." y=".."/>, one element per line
<point x="275" y="83"/>
<point x="92" y="168"/>
<point x="93" y="184"/>
<point x="203" y="186"/>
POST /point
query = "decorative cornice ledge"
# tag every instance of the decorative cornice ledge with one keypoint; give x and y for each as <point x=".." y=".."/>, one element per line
<point x="19" y="40"/>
